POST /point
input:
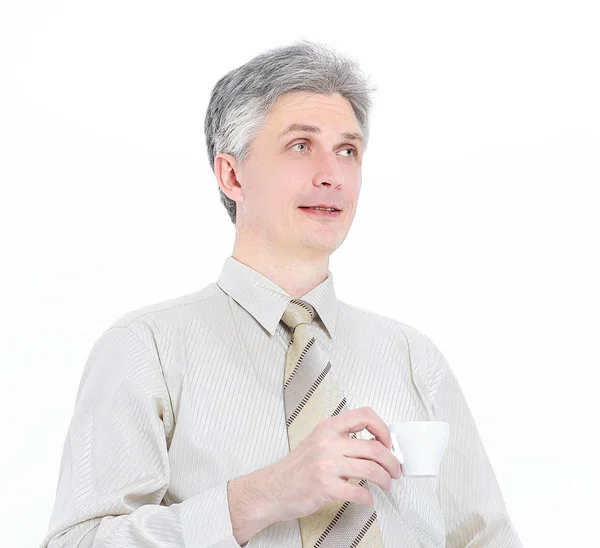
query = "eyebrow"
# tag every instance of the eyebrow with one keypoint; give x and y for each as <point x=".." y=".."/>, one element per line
<point x="314" y="129"/>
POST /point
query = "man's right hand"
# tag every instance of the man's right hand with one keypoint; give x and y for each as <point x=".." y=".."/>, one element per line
<point x="315" y="473"/>
<point x="317" y="470"/>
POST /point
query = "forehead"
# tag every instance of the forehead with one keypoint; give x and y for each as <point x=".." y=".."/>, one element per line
<point x="294" y="103"/>
<point x="299" y="110"/>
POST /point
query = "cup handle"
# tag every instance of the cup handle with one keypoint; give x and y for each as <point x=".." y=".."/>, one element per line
<point x="396" y="448"/>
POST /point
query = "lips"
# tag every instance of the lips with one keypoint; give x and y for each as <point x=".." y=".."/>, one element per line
<point x="322" y="207"/>
<point x="321" y="213"/>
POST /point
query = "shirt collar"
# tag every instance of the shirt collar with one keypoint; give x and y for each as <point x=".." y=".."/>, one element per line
<point x="266" y="301"/>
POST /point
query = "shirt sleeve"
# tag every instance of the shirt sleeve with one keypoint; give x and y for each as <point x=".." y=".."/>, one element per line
<point x="114" y="470"/>
<point x="474" y="511"/>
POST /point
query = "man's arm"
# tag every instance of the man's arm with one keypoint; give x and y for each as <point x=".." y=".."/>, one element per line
<point x="474" y="511"/>
<point x="114" y="470"/>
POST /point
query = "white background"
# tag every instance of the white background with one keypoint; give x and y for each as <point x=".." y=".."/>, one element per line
<point x="477" y="223"/>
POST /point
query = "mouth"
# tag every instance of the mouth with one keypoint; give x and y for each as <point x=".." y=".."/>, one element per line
<point x="324" y="213"/>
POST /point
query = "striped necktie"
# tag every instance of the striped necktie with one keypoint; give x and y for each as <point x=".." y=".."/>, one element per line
<point x="311" y="395"/>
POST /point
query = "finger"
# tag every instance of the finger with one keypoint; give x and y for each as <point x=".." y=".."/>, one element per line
<point x="356" y="420"/>
<point x="365" y="469"/>
<point x="354" y="493"/>
<point x="373" y="450"/>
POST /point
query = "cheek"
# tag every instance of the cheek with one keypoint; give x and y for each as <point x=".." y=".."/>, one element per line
<point x="286" y="190"/>
<point x="274" y="201"/>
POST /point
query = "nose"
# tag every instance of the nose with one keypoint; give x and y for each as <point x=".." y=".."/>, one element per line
<point x="328" y="171"/>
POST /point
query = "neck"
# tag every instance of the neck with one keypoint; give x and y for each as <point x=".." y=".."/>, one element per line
<point x="295" y="274"/>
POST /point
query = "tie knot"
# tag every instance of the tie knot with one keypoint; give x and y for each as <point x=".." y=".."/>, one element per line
<point x="298" y="312"/>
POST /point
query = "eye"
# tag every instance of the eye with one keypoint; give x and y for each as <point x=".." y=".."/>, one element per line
<point x="300" y="143"/>
<point x="353" y="149"/>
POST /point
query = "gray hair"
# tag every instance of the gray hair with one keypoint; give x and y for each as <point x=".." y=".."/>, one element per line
<point x="241" y="100"/>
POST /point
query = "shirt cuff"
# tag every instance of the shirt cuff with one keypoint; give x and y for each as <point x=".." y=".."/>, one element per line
<point x="206" y="521"/>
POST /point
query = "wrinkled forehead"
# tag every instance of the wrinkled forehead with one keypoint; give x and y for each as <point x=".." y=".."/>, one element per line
<point x="297" y="112"/>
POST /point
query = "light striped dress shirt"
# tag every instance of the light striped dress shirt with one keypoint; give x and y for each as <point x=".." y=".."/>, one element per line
<point x="179" y="397"/>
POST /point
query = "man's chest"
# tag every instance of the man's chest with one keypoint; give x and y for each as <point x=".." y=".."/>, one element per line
<point x="230" y="420"/>
<point x="230" y="414"/>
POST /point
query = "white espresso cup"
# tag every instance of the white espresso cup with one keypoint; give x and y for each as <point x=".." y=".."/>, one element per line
<point x="419" y="446"/>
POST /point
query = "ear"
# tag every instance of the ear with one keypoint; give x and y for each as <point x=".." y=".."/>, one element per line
<point x="225" y="166"/>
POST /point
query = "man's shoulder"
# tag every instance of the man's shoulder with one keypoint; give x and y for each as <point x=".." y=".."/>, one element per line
<point x="171" y="310"/>
<point x="425" y="356"/>
<point x="383" y="323"/>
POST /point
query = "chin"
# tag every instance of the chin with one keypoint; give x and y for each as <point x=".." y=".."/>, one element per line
<point x="322" y="245"/>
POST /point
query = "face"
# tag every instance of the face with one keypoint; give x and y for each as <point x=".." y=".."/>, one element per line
<point x="300" y="168"/>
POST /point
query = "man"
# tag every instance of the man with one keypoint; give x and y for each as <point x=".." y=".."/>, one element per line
<point x="197" y="422"/>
